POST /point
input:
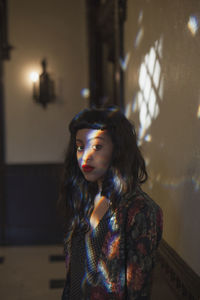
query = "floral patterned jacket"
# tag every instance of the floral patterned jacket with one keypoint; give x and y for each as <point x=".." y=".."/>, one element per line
<point x="127" y="256"/>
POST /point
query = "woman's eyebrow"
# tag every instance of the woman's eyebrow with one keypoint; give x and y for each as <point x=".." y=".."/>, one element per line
<point x="96" y="137"/>
<point x="93" y="138"/>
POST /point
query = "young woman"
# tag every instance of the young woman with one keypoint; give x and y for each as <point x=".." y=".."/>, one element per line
<point x="113" y="227"/>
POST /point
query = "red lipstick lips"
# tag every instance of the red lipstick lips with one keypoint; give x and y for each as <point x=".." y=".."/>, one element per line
<point x="87" y="168"/>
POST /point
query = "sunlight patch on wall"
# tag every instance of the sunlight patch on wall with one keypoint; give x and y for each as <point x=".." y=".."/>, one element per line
<point x="193" y="24"/>
<point x="124" y="61"/>
<point x="148" y="138"/>
<point x="128" y="110"/>
<point x="85" y="93"/>
<point x="140" y="32"/>
<point x="139" y="37"/>
<point x="174" y="183"/>
<point x="140" y="17"/>
<point x="150" y="90"/>
<point x="198" y="112"/>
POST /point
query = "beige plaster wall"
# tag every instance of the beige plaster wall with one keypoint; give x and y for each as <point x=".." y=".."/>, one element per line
<point x="162" y="46"/>
<point x="55" y="30"/>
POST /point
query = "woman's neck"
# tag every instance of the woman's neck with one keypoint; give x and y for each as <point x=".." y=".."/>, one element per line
<point x="101" y="205"/>
<point x="99" y="187"/>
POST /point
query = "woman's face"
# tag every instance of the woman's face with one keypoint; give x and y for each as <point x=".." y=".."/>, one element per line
<point x="94" y="153"/>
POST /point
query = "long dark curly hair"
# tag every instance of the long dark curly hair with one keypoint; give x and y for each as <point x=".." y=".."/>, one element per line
<point x="126" y="172"/>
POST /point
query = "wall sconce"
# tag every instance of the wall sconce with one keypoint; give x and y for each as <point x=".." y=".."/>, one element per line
<point x="43" y="86"/>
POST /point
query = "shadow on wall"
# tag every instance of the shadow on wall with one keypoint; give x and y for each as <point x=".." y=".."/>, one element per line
<point x="162" y="66"/>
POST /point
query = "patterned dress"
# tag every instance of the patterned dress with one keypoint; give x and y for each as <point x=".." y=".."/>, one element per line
<point x="120" y="254"/>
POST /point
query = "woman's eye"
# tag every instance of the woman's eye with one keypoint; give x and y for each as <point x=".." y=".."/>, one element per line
<point x="79" y="148"/>
<point x="97" y="147"/>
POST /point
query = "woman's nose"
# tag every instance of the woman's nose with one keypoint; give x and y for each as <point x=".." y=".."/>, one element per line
<point x="87" y="155"/>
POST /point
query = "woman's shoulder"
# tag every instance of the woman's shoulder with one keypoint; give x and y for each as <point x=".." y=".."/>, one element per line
<point x="140" y="205"/>
<point x="140" y="200"/>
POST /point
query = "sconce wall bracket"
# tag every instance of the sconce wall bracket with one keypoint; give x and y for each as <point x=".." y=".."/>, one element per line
<point x="44" y="91"/>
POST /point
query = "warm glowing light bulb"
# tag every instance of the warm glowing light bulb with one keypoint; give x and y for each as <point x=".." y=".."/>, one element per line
<point x="34" y="76"/>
